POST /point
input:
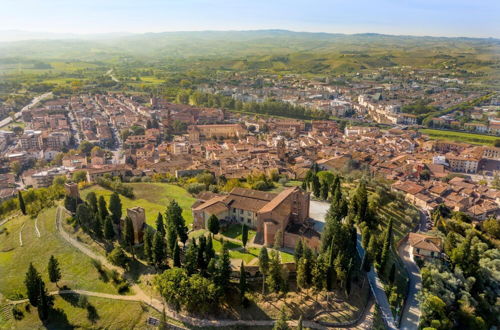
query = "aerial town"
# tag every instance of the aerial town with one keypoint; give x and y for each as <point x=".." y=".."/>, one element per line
<point x="220" y="175"/>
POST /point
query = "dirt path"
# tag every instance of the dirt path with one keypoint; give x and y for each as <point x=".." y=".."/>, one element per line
<point x="21" y="234"/>
<point x="155" y="303"/>
<point x="36" y="228"/>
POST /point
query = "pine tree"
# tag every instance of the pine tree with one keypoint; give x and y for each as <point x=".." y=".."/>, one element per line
<point x="109" y="230"/>
<point x="103" y="208"/>
<point x="32" y="282"/>
<point x="213" y="224"/>
<point x="244" y="235"/>
<point x="160" y="226"/>
<point x="115" y="206"/>
<point x="22" y="206"/>
<point x="243" y="283"/>
<point x="281" y="323"/>
<point x="159" y="250"/>
<point x="54" y="270"/>
<point x="148" y="245"/>
<point x="299" y="251"/>
<point x="177" y="256"/>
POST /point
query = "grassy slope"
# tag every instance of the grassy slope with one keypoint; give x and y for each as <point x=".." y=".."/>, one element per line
<point x="460" y="136"/>
<point x="68" y="315"/>
<point x="77" y="270"/>
<point x="153" y="197"/>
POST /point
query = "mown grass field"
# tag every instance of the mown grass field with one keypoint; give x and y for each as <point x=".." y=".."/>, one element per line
<point x="153" y="197"/>
<point x="482" y="139"/>
<point x="68" y="314"/>
<point x="76" y="268"/>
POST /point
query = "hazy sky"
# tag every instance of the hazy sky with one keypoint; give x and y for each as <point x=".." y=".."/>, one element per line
<point x="425" y="17"/>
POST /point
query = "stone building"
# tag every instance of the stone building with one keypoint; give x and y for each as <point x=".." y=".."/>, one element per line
<point x="286" y="213"/>
<point x="200" y="132"/>
<point x="138" y="217"/>
<point x="72" y="190"/>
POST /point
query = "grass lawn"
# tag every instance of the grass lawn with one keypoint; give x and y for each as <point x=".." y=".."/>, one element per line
<point x="279" y="187"/>
<point x="67" y="314"/>
<point x="76" y="268"/>
<point x="460" y="136"/>
<point x="153" y="197"/>
<point x="235" y="231"/>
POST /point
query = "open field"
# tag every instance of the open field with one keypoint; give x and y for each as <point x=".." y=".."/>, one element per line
<point x="68" y="314"/>
<point x="482" y="139"/>
<point x="76" y="268"/>
<point x="153" y="197"/>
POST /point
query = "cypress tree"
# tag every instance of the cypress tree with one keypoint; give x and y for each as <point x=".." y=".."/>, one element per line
<point x="103" y="208"/>
<point x="92" y="201"/>
<point x="324" y="190"/>
<point x="115" y="206"/>
<point x="97" y="226"/>
<point x="128" y="233"/>
<point x="200" y="258"/>
<point x="244" y="235"/>
<point x="159" y="250"/>
<point x="263" y="265"/>
<point x="209" y="249"/>
<point x="316" y="186"/>
<point x="109" y="230"/>
<point x="43" y="302"/>
<point x="54" y="270"/>
<point x="31" y="281"/>
<point x="160" y="225"/>
<point x="190" y="260"/>
<point x="224" y="270"/>
<point x="171" y="237"/>
<point x="386" y="247"/>
<point x="22" y="206"/>
<point x="213" y="224"/>
<point x="299" y="251"/>
<point x="392" y="273"/>
<point x="177" y="256"/>
<point x="148" y="245"/>
<point x="243" y="283"/>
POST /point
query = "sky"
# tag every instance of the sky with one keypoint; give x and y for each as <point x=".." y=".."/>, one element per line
<point x="471" y="18"/>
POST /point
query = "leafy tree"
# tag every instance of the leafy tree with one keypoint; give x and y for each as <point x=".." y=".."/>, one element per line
<point x="22" y="206"/>
<point x="54" y="270"/>
<point x="109" y="231"/>
<point x="79" y="176"/>
<point x="92" y="202"/>
<point x="243" y="283"/>
<point x="244" y="235"/>
<point x="299" y="251"/>
<point x="159" y="249"/>
<point x="103" y="209"/>
<point x="177" y="256"/>
<point x="171" y="285"/>
<point x="148" y="245"/>
<point x="32" y="282"/>
<point x="213" y="224"/>
<point x="263" y="265"/>
<point x="115" y="206"/>
<point x="118" y="257"/>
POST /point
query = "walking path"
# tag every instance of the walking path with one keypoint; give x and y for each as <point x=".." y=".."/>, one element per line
<point x="155" y="303"/>
<point x="21" y="234"/>
<point x="36" y="228"/>
<point x="4" y="221"/>
<point x="377" y="289"/>
<point x="410" y="318"/>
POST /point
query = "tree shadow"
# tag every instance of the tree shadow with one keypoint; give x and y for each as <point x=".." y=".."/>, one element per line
<point x="92" y="314"/>
<point x="58" y="320"/>
<point x="71" y="298"/>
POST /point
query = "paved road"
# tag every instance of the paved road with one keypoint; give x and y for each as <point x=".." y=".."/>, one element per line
<point x="410" y="317"/>
<point x="378" y="292"/>
<point x="37" y="99"/>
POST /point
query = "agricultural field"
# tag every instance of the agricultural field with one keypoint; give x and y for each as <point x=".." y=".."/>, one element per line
<point x="76" y="268"/>
<point x="153" y="197"/>
<point x="481" y="139"/>
<point x="100" y="313"/>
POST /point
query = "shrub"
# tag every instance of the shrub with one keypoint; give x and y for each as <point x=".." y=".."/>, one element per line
<point x="195" y="188"/>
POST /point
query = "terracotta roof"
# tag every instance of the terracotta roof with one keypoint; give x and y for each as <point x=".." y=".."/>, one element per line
<point x="425" y="242"/>
<point x="278" y="200"/>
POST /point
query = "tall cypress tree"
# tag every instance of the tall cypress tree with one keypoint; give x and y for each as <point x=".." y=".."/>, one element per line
<point x="160" y="226"/>
<point x="177" y="256"/>
<point x="243" y="283"/>
<point x="159" y="250"/>
<point x="44" y="301"/>
<point x="316" y="186"/>
<point x="103" y="208"/>
<point x="128" y="233"/>
<point x="22" y="206"/>
<point x="115" y="206"/>
<point x="386" y="247"/>
<point x="31" y="281"/>
<point x="299" y="251"/>
<point x="263" y="265"/>
<point x="109" y="230"/>
<point x="224" y="269"/>
<point x="148" y="245"/>
<point x="92" y="201"/>
<point x="244" y="235"/>
<point x="54" y="270"/>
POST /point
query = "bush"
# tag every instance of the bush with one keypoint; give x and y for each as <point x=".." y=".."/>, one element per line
<point x="118" y="258"/>
<point x="195" y="188"/>
<point x="18" y="314"/>
<point x="123" y="288"/>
